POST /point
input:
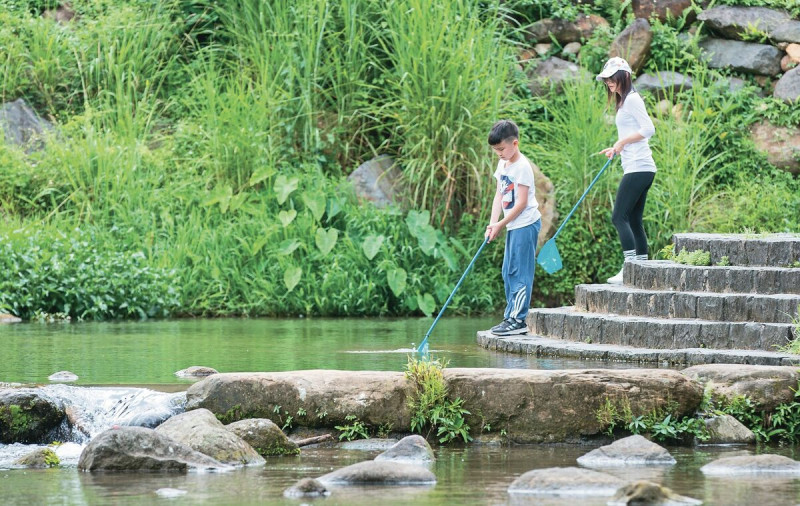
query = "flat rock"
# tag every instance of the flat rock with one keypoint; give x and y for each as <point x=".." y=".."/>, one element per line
<point x="766" y="386"/>
<point x="752" y="464"/>
<point x="307" y="487"/>
<point x="412" y="449"/>
<point x="367" y="445"/>
<point x="141" y="449"/>
<point x="633" y="44"/>
<point x="566" y="481"/>
<point x="26" y="416"/>
<point x="747" y="57"/>
<point x="196" y="371"/>
<point x="200" y="430"/>
<point x="725" y="429"/>
<point x="264" y="436"/>
<point x="652" y="494"/>
<point x="788" y="90"/>
<point x="731" y="22"/>
<point x="630" y="451"/>
<point x="380" y="473"/>
<point x="564" y="31"/>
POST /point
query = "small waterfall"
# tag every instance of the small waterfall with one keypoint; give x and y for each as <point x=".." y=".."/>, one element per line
<point x="92" y="410"/>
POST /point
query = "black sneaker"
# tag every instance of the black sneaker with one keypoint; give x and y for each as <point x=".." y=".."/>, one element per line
<point x="509" y="327"/>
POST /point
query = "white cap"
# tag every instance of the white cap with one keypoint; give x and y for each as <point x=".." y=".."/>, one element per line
<point x="612" y="66"/>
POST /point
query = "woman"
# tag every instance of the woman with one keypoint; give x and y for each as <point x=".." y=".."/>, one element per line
<point x="634" y="127"/>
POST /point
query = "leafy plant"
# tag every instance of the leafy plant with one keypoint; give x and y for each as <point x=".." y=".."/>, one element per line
<point x="697" y="257"/>
<point x="355" y="429"/>
<point x="431" y="409"/>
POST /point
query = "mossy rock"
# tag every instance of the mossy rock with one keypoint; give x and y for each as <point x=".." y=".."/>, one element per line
<point x="26" y="417"/>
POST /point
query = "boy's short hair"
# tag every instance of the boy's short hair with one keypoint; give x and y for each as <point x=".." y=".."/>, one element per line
<point x="503" y="130"/>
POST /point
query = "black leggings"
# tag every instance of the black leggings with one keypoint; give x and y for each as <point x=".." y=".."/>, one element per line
<point x="628" y="210"/>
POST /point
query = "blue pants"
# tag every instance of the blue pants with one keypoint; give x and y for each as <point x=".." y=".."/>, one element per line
<point x="519" y="262"/>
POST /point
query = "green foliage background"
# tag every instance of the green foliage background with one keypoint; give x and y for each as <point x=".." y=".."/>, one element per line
<point x="202" y="148"/>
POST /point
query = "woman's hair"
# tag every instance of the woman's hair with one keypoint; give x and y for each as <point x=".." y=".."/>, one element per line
<point x="623" y="81"/>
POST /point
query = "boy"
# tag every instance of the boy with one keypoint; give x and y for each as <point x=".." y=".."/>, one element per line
<point x="516" y="196"/>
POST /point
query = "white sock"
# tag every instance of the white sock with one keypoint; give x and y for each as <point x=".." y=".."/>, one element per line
<point x="641" y="257"/>
<point x="629" y="254"/>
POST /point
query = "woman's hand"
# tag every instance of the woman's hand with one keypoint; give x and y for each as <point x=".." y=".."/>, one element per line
<point x="614" y="150"/>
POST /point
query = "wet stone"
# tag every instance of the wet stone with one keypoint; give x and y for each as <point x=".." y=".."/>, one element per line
<point x="307" y="487"/>
<point x="630" y="451"/>
<point x="752" y="464"/>
<point x="571" y="481"/>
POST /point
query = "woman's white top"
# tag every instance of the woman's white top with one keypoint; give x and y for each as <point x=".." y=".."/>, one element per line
<point x="632" y="118"/>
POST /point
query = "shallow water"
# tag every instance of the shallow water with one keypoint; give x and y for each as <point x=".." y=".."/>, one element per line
<point x="151" y="352"/>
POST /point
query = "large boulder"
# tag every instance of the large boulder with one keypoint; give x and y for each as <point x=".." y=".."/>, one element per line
<point x="565" y="31"/>
<point x="264" y="436"/>
<point x="379" y="473"/>
<point x="766" y="386"/>
<point x="752" y="464"/>
<point x="375" y="398"/>
<point x="535" y="406"/>
<point x="788" y="90"/>
<point x="725" y="429"/>
<point x="663" y="84"/>
<point x="661" y="9"/>
<point x="630" y="451"/>
<point x="26" y="416"/>
<point x="731" y="22"/>
<point x="552" y="74"/>
<point x="748" y="57"/>
<point x="200" y="430"/>
<point x="377" y="181"/>
<point x="412" y="449"/>
<point x="22" y="126"/>
<point x="633" y="44"/>
<point x="649" y="493"/>
<point x="780" y="144"/>
<point x="141" y="449"/>
<point x="566" y="481"/>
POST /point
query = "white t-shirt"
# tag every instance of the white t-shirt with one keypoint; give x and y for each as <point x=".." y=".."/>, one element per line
<point x="632" y="118"/>
<point x="509" y="177"/>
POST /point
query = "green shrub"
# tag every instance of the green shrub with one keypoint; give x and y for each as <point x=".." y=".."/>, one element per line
<point x="697" y="257"/>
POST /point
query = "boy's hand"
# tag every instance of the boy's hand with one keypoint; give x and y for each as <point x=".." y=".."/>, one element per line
<point x="492" y="231"/>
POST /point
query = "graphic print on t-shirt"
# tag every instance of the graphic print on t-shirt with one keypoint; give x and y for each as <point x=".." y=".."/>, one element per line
<point x="507" y="190"/>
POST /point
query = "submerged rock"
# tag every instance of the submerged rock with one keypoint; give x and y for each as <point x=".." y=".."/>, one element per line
<point x="570" y="481"/>
<point x="752" y="464"/>
<point x="307" y="487"/>
<point x="141" y="449"/>
<point x="9" y="318"/>
<point x="38" y="459"/>
<point x="630" y="451"/>
<point x="196" y="371"/>
<point x="169" y="493"/>
<point x="200" y="430"/>
<point x="725" y="429"/>
<point x="264" y="436"/>
<point x="367" y="445"/>
<point x="63" y="376"/>
<point x="26" y="416"/>
<point x="652" y="494"/>
<point x="413" y="449"/>
<point x="380" y="473"/>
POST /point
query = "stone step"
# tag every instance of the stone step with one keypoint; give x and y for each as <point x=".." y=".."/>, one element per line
<point x="666" y="275"/>
<point x="730" y="307"/>
<point x="548" y="347"/>
<point x="775" y="250"/>
<point x="675" y="333"/>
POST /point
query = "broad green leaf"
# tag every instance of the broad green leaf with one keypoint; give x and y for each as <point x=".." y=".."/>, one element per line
<point x="418" y="222"/>
<point x="426" y="304"/>
<point x="427" y="240"/>
<point x="442" y="292"/>
<point x="397" y="280"/>
<point x="449" y="257"/>
<point x="261" y="174"/>
<point x="219" y="195"/>
<point x="284" y="187"/>
<point x="371" y="246"/>
<point x="411" y="302"/>
<point x="238" y="199"/>
<point x="258" y="244"/>
<point x="326" y="240"/>
<point x="288" y="246"/>
<point x="287" y="217"/>
<point x="291" y="276"/>
<point x="315" y="202"/>
<point x="335" y="206"/>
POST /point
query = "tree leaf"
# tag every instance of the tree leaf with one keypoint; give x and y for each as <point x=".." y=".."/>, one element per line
<point x="284" y="187"/>
<point x="371" y="246"/>
<point x="397" y="280"/>
<point x="291" y="276"/>
<point x="326" y="240"/>
<point x="426" y="304"/>
<point x="288" y="246"/>
<point x="315" y="202"/>
<point x="287" y="217"/>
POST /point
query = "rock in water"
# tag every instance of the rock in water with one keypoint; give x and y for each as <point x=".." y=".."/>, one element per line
<point x="264" y="436"/>
<point x="766" y="386"/>
<point x="196" y="371"/>
<point x="38" y="459"/>
<point x="141" y="449"/>
<point x="200" y="430"/>
<point x="566" y="481"/>
<point x="63" y="376"/>
<point x="307" y="487"/>
<point x="9" y="318"/>
<point x="630" y="451"/>
<point x="652" y="494"/>
<point x="725" y="429"/>
<point x="170" y="493"/>
<point x="380" y="473"/>
<point x="413" y="449"/>
<point x="26" y="416"/>
<point x="752" y="464"/>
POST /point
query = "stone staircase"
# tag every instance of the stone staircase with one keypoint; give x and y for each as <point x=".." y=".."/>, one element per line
<point x="672" y="313"/>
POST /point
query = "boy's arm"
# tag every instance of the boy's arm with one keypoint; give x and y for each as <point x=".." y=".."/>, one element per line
<point x="494" y="228"/>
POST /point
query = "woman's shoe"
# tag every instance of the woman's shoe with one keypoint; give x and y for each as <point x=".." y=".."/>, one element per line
<point x="616" y="280"/>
